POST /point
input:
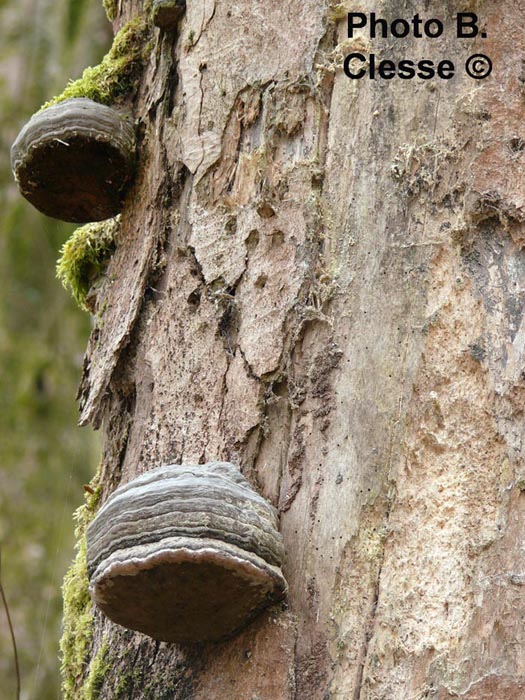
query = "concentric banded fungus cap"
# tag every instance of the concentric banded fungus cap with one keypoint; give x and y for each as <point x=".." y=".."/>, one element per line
<point x="185" y="554"/>
<point x="166" y="14"/>
<point x="73" y="160"/>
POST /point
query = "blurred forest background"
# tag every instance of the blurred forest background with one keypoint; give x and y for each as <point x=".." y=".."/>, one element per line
<point x="44" y="457"/>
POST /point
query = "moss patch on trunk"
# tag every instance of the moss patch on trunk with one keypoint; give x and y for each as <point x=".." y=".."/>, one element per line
<point x="84" y="256"/>
<point x="75" y="645"/>
<point x="110" y="6"/>
<point x="116" y="75"/>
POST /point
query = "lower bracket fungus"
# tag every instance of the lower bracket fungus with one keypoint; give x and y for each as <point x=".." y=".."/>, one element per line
<point x="166" y="14"/>
<point x="73" y="160"/>
<point x="185" y="554"/>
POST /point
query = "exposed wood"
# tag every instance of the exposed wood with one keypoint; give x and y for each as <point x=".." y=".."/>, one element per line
<point x="321" y="280"/>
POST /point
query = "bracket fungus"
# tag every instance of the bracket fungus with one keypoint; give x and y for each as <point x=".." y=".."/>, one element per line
<point x="166" y="14"/>
<point x="185" y="554"/>
<point x="73" y="160"/>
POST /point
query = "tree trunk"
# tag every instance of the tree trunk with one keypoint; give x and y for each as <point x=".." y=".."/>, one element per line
<point x="321" y="280"/>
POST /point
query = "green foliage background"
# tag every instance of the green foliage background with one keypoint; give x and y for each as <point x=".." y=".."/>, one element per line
<point x="44" y="457"/>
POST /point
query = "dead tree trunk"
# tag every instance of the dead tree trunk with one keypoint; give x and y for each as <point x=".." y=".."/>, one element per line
<point x="322" y="280"/>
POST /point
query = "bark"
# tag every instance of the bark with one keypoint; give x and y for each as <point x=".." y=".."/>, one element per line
<point x="321" y="281"/>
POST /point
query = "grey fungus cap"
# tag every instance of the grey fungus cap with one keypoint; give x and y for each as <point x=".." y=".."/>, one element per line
<point x="186" y="554"/>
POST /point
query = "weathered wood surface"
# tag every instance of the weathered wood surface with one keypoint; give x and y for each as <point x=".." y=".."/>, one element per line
<point x="322" y="280"/>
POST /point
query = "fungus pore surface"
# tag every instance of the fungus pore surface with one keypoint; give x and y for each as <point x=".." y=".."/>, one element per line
<point x="73" y="160"/>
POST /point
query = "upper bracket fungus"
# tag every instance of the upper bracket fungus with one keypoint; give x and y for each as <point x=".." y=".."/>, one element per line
<point x="73" y="160"/>
<point x="185" y="554"/>
<point x="166" y="14"/>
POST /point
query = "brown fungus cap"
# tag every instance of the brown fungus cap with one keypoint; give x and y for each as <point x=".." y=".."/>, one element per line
<point x="185" y="554"/>
<point x="73" y="160"/>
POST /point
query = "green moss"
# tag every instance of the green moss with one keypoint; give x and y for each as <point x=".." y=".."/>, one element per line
<point x="78" y="617"/>
<point x="111" y="9"/>
<point x="97" y="672"/>
<point x="84" y="256"/>
<point x="127" y="681"/>
<point x="124" y="686"/>
<point x="116" y="75"/>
